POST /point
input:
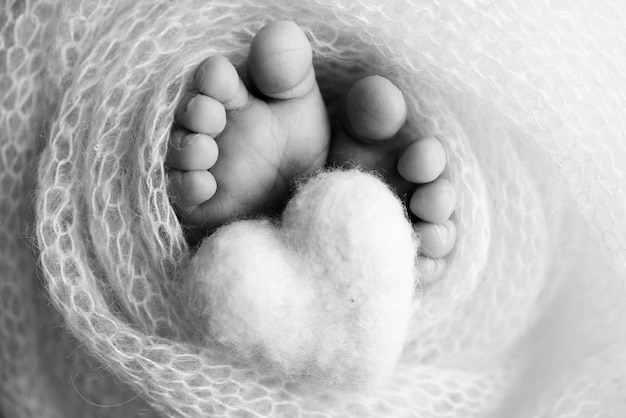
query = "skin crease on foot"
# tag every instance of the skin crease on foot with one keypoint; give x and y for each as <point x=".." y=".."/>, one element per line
<point x="233" y="152"/>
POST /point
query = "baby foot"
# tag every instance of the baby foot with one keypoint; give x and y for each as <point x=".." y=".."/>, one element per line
<point x="253" y="145"/>
<point x="367" y="135"/>
<point x="263" y="143"/>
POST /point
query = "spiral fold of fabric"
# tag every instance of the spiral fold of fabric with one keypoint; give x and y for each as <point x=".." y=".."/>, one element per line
<point x="528" y="99"/>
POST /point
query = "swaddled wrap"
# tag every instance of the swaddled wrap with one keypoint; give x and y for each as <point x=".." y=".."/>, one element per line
<point x="529" y="101"/>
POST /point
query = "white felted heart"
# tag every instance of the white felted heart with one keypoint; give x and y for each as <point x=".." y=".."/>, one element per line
<point x="325" y="295"/>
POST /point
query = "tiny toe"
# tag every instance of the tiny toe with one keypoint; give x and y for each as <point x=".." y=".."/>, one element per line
<point x="434" y="202"/>
<point x="191" y="151"/>
<point x="375" y="109"/>
<point x="280" y="63"/>
<point x="216" y="77"/>
<point x="437" y="240"/>
<point x="423" y="161"/>
<point x="202" y="114"/>
<point x="430" y="269"/>
<point x="191" y="188"/>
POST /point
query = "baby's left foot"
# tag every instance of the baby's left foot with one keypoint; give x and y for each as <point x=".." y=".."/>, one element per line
<point x="367" y="135"/>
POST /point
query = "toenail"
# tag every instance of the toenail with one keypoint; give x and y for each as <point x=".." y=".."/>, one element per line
<point x="199" y="78"/>
<point x="437" y="240"/>
<point x="442" y="231"/>
<point x="217" y="78"/>
<point x="188" y="140"/>
<point x="191" y="103"/>
<point x="430" y="269"/>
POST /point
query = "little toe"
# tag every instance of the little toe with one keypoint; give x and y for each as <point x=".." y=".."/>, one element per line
<point x="217" y="78"/>
<point x="423" y="161"/>
<point x="189" y="189"/>
<point x="437" y="240"/>
<point x="430" y="269"/>
<point x="191" y="151"/>
<point x="375" y="109"/>
<point x="434" y="202"/>
<point x="280" y="63"/>
<point x="202" y="114"/>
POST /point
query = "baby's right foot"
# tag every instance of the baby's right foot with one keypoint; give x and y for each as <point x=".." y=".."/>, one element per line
<point x="254" y="146"/>
<point x="369" y="135"/>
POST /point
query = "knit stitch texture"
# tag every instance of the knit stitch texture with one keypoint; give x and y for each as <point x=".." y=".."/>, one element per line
<point x="528" y="99"/>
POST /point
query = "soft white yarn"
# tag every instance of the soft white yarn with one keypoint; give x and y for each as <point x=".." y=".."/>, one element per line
<point x="529" y="100"/>
<point x="325" y="296"/>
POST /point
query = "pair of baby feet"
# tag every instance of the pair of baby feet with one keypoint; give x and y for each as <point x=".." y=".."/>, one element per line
<point x="236" y="148"/>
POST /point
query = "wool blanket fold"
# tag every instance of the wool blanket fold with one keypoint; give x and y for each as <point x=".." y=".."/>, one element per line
<point x="529" y="100"/>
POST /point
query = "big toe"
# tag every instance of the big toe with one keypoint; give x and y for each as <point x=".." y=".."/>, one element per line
<point x="375" y="109"/>
<point x="374" y="112"/>
<point x="280" y="61"/>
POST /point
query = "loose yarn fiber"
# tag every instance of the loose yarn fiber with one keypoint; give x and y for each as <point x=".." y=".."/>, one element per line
<point x="529" y="100"/>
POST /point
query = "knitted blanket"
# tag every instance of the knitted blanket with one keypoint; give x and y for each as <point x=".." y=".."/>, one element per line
<point x="529" y="318"/>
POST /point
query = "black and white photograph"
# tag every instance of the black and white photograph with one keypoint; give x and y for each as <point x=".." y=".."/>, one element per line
<point x="312" y="209"/>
